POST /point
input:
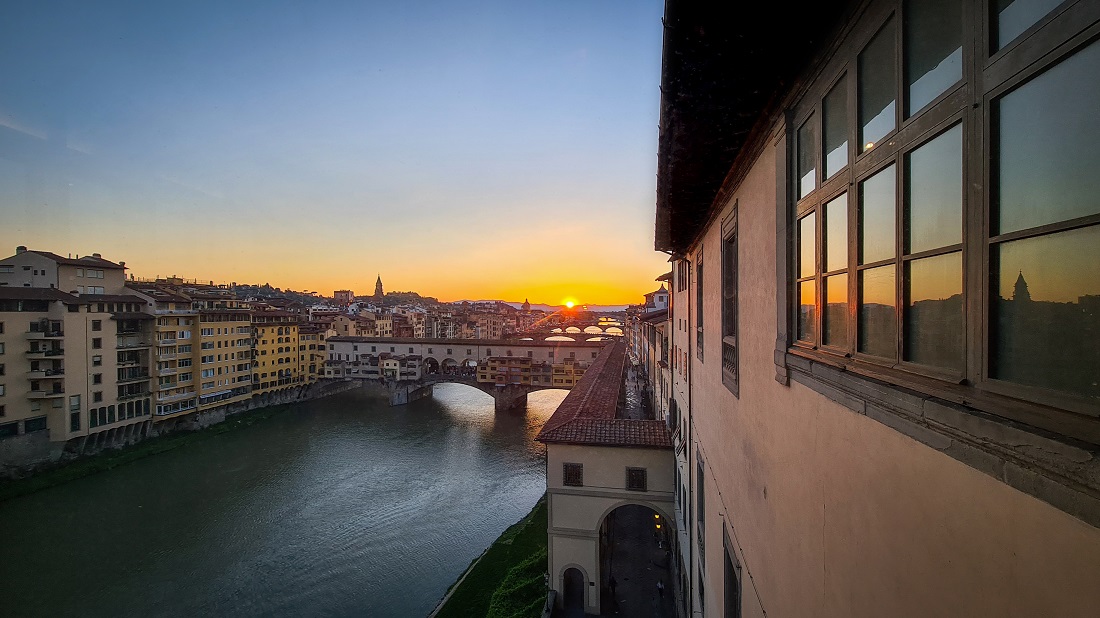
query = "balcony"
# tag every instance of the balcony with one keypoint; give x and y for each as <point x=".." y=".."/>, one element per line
<point x="167" y="341"/>
<point x="133" y="395"/>
<point x="129" y="344"/>
<point x="45" y="353"/>
<point x="57" y="391"/>
<point x="136" y="377"/>
<point x="168" y="371"/>
<point x="40" y="335"/>
<point x="161" y="397"/>
<point x="39" y="374"/>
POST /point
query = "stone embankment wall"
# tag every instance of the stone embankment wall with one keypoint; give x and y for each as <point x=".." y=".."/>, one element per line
<point x="24" y="455"/>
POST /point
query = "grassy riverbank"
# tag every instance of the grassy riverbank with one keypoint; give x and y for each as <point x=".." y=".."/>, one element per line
<point x="112" y="458"/>
<point x="508" y="580"/>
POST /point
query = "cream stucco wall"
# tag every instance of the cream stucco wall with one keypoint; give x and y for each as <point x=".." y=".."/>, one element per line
<point x="577" y="513"/>
<point x="836" y="514"/>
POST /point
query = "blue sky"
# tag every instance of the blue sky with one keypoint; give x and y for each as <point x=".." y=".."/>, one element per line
<point x="455" y="147"/>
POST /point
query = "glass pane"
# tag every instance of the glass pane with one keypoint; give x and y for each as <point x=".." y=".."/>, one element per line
<point x="934" y="314"/>
<point x="807" y="246"/>
<point x="835" y="139"/>
<point x="933" y="49"/>
<point x="1049" y="160"/>
<point x="877" y="214"/>
<point x="807" y="158"/>
<point x="836" y="233"/>
<point x="877" y="87"/>
<point x="935" y="193"/>
<point x="877" y="321"/>
<point x="836" y="311"/>
<point x="1015" y="16"/>
<point x="1046" y="313"/>
<point x="806" y="314"/>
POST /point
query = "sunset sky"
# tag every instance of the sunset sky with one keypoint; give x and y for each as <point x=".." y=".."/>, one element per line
<point x="460" y="149"/>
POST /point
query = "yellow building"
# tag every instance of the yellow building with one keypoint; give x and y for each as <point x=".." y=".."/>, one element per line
<point x="224" y="353"/>
<point x="505" y="370"/>
<point x="568" y="372"/>
<point x="276" y="357"/>
<point x="311" y="351"/>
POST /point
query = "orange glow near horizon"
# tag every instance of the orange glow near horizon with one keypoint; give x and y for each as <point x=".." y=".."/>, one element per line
<point x="569" y="304"/>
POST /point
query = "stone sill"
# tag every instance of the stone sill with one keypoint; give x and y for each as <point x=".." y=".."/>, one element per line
<point x="1053" y="469"/>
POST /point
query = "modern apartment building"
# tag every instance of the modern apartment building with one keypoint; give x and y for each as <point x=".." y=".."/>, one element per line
<point x="74" y="371"/>
<point x="886" y="255"/>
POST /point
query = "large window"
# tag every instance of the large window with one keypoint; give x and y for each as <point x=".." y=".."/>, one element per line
<point x="729" y="303"/>
<point x="959" y="242"/>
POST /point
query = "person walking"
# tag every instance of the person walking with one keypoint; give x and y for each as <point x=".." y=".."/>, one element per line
<point x="661" y="588"/>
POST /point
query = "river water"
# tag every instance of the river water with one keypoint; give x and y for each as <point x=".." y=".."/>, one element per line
<point x="341" y="506"/>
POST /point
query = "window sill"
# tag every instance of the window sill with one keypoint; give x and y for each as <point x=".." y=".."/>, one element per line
<point x="968" y="426"/>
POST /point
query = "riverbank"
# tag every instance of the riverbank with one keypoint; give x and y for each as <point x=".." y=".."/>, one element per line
<point x="107" y="459"/>
<point x="508" y="580"/>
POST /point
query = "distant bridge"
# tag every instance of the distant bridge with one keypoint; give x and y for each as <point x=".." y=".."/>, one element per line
<point x="455" y="361"/>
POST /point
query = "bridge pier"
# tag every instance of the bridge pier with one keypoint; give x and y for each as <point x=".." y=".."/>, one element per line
<point x="402" y="393"/>
<point x="509" y="398"/>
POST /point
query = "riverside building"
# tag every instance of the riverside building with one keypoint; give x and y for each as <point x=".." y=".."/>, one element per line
<point x="885" y="245"/>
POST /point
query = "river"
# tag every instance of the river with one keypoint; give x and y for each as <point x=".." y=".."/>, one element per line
<point x="341" y="506"/>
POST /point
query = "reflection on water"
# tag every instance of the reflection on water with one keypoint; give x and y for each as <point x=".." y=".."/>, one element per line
<point x="338" y="507"/>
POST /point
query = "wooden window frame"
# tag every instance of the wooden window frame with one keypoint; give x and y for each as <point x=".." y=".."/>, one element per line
<point x="987" y="76"/>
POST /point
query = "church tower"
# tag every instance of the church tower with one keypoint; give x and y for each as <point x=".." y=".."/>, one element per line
<point x="526" y="305"/>
<point x="1020" y="292"/>
<point x="378" y="295"/>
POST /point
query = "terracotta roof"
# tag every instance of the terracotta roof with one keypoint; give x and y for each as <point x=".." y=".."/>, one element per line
<point x="112" y="298"/>
<point x="14" y="293"/>
<point x="87" y="260"/>
<point x="659" y="315"/>
<point x="588" y="415"/>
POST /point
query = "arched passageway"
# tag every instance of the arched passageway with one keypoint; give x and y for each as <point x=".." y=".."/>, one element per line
<point x="635" y="563"/>
<point x="573" y="585"/>
<point x="431" y="366"/>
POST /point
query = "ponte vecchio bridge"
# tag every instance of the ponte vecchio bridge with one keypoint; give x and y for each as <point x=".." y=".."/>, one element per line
<point x="506" y="369"/>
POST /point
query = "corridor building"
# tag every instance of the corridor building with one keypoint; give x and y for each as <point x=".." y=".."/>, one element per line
<point x="885" y="239"/>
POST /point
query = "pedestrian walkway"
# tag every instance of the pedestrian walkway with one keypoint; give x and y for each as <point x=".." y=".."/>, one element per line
<point x="638" y="563"/>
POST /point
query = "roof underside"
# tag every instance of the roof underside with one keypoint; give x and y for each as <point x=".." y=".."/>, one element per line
<point x="725" y="68"/>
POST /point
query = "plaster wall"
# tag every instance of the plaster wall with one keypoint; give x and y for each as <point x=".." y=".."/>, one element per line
<point x="835" y="514"/>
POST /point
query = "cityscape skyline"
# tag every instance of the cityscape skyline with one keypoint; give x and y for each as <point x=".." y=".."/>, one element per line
<point x="235" y="142"/>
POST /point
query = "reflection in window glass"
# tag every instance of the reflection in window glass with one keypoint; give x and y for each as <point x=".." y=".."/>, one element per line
<point x="807" y="158"/>
<point x="877" y="320"/>
<point x="835" y="138"/>
<point x="836" y="233"/>
<point x="1046" y="312"/>
<point x="1015" y="16"/>
<point x="1048" y="162"/>
<point x="877" y="87"/>
<point x="933" y="49"/>
<point x="836" y="311"/>
<point x="877" y="216"/>
<point x="806" y="316"/>
<point x="807" y="246"/>
<point x="934" y="193"/>
<point x="934" y="315"/>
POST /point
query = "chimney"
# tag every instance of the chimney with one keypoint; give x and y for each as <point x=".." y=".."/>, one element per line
<point x="20" y="249"/>
<point x="97" y="255"/>
<point x="122" y="264"/>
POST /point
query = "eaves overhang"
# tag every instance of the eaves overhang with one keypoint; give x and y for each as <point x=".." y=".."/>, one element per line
<point x="724" y="73"/>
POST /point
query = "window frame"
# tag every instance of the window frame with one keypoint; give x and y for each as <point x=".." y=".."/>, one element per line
<point x="730" y="300"/>
<point x="987" y="76"/>
<point x="569" y="470"/>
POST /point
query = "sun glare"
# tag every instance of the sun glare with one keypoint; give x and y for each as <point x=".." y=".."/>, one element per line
<point x="569" y="304"/>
